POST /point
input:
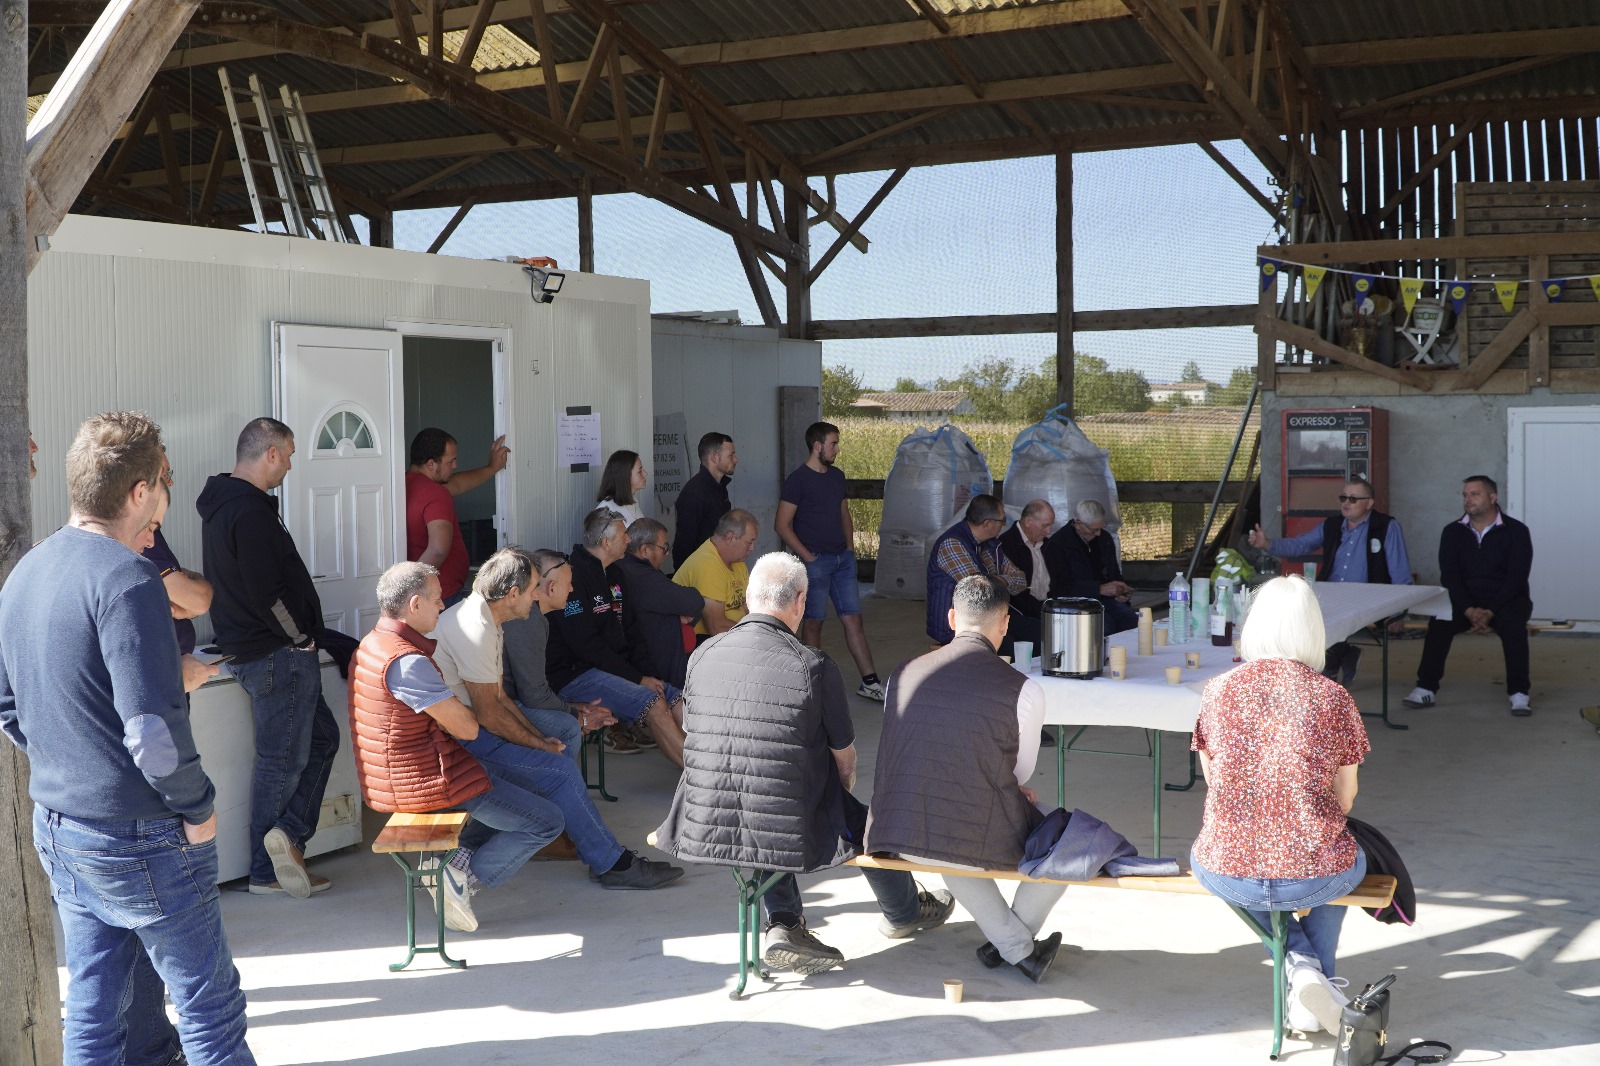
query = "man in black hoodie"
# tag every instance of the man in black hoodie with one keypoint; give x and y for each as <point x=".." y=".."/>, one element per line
<point x="267" y="615"/>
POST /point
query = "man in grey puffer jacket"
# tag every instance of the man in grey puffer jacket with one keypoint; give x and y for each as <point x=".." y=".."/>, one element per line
<point x="769" y="759"/>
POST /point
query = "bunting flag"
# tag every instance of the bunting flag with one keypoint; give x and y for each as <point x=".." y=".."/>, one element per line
<point x="1458" y="291"/>
<point x="1269" y="272"/>
<point x="1314" y="276"/>
<point x="1362" y="283"/>
<point x="1410" y="289"/>
<point x="1552" y="289"/>
<point x="1507" y="291"/>
<point x="1594" y="283"/>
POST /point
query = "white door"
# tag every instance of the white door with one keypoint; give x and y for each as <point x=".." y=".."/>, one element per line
<point x="340" y="390"/>
<point x="1546" y="450"/>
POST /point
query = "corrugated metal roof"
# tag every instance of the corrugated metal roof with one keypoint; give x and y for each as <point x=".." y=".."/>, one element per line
<point x="810" y="98"/>
<point x="912" y="402"/>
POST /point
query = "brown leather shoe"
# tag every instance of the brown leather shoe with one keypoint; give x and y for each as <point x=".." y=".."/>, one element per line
<point x="561" y="848"/>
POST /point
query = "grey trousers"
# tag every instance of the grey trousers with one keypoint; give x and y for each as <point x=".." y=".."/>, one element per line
<point x="1011" y="929"/>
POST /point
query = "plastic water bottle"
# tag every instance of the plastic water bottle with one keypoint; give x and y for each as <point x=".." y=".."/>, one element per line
<point x="1178" y="610"/>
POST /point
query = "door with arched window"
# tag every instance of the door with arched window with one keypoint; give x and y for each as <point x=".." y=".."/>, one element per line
<point x="341" y="391"/>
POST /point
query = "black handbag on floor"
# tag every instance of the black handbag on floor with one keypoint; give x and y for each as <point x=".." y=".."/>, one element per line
<point x="1364" y="1026"/>
<point x="1364" y="1033"/>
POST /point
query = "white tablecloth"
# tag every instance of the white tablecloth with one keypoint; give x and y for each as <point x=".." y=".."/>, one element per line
<point x="1146" y="701"/>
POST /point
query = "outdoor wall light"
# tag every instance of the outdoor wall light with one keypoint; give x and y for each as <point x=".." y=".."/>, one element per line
<point x="545" y="283"/>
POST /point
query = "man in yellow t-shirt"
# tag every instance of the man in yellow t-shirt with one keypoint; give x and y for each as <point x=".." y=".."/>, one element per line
<point x="717" y="571"/>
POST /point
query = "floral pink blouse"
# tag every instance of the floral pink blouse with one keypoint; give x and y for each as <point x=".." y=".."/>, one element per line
<point x="1276" y="733"/>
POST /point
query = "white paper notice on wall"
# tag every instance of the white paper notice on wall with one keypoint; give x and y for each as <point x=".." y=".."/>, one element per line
<point x="578" y="439"/>
<point x="671" y="459"/>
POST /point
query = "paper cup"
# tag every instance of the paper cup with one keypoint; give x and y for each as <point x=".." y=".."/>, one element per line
<point x="1118" y="658"/>
<point x="1191" y="659"/>
<point x="953" y="990"/>
<point x="1022" y="653"/>
<point x="1163" y="633"/>
<point x="1174" y="674"/>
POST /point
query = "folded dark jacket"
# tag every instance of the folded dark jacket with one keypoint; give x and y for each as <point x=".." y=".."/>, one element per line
<point x="1382" y="858"/>
<point x="1077" y="846"/>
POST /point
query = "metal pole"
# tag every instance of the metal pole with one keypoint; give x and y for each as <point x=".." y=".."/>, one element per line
<point x="1222" y="482"/>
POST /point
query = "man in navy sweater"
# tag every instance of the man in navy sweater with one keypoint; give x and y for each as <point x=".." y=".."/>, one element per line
<point x="92" y="690"/>
<point x="1485" y="557"/>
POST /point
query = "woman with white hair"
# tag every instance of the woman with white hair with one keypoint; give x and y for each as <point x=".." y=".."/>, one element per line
<point x="1279" y="745"/>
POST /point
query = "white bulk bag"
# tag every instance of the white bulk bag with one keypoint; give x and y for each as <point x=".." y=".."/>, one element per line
<point x="936" y="473"/>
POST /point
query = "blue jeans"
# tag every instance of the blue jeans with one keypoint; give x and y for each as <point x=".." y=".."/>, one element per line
<point x="1315" y="936"/>
<point x="626" y="700"/>
<point x="558" y="725"/>
<point x="126" y="889"/>
<point x="835" y="574"/>
<point x="895" y="890"/>
<point x="536" y="794"/>
<point x="296" y="738"/>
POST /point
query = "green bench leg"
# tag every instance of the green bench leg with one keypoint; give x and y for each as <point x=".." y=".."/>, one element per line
<point x="750" y="892"/>
<point x="597" y="738"/>
<point x="1276" y="941"/>
<point x="418" y="877"/>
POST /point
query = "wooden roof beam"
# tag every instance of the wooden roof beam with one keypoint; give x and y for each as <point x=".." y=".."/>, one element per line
<point x="1502" y="70"/>
<point x="454" y="87"/>
<point x="76" y="125"/>
<point x="1178" y="37"/>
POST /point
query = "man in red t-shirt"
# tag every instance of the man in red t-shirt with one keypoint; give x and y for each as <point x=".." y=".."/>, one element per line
<point x="433" y="533"/>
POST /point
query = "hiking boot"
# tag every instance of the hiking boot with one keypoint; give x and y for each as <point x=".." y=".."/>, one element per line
<point x="293" y="877"/>
<point x="873" y="691"/>
<point x="641" y="873"/>
<point x="1037" y="964"/>
<point x="618" y="742"/>
<point x="933" y="909"/>
<point x="1519" y="705"/>
<point x="794" y="948"/>
<point x="1419" y="698"/>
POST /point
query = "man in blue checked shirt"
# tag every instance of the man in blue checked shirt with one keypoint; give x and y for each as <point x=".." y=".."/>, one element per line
<point x="1363" y="544"/>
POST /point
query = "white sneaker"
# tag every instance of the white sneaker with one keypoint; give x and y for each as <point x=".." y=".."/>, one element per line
<point x="873" y="691"/>
<point x="1315" y="1002"/>
<point x="1519" y="705"/>
<point x="1420" y="697"/>
<point x="457" y="891"/>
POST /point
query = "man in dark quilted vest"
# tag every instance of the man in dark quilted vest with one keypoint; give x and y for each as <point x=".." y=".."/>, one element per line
<point x="1360" y="544"/>
<point x="960" y="742"/>
<point x="769" y="759"/>
<point x="420" y="749"/>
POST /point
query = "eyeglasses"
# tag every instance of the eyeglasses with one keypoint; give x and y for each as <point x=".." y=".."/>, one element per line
<point x="562" y="561"/>
<point x="1352" y="499"/>
<point x="657" y="547"/>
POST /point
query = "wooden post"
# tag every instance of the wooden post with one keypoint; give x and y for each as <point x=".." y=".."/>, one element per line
<point x="1266" y="343"/>
<point x="381" y="234"/>
<point x="586" y="224"/>
<point x="1064" y="352"/>
<point x="30" y="998"/>
<point x="797" y="283"/>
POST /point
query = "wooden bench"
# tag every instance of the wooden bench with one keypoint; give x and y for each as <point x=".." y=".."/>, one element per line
<point x="1375" y="890"/>
<point x="440" y="834"/>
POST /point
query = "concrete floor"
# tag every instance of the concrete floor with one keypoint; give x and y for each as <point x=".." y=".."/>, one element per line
<point x="1495" y="816"/>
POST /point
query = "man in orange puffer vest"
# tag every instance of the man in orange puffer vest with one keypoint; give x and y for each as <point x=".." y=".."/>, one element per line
<point x="419" y="749"/>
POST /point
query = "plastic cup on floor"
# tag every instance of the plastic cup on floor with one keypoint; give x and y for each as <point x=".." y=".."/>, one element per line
<point x="953" y="990"/>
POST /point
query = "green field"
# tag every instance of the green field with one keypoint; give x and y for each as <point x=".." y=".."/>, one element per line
<point x="1153" y="446"/>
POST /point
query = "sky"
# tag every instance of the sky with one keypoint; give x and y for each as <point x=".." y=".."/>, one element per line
<point x="1152" y="227"/>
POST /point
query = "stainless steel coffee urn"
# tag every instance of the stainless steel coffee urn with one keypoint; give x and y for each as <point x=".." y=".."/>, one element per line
<point x="1072" y="637"/>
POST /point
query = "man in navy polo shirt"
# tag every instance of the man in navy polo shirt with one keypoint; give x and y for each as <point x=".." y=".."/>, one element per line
<point x="814" y="523"/>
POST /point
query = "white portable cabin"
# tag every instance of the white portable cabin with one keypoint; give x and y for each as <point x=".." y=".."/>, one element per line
<point x="355" y="348"/>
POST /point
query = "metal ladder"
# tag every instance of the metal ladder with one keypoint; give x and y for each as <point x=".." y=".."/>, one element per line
<point x="282" y="132"/>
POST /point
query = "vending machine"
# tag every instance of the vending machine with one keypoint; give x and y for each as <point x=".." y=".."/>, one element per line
<point x="1322" y="449"/>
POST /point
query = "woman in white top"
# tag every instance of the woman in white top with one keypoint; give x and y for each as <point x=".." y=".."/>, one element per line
<point x="620" y="484"/>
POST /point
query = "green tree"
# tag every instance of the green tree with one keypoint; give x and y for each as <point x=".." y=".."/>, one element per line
<point x="841" y="387"/>
<point x="907" y="385"/>
<point x="1236" y="393"/>
<point x="1191" y="372"/>
<point x="987" y="385"/>
<point x="1097" y="389"/>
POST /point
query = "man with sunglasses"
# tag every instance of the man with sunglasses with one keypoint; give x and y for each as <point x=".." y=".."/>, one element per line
<point x="655" y="609"/>
<point x="1362" y="544"/>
